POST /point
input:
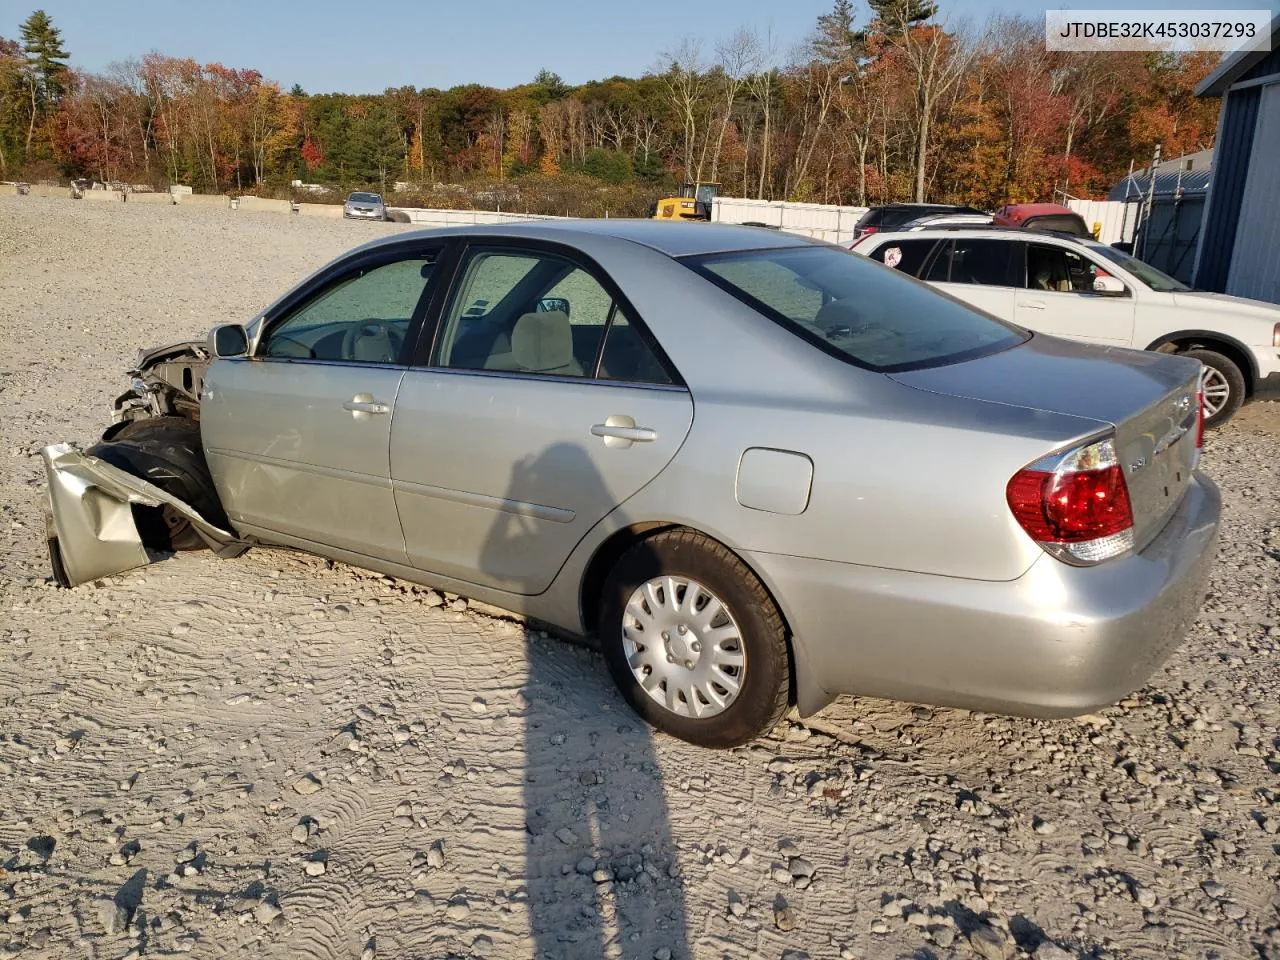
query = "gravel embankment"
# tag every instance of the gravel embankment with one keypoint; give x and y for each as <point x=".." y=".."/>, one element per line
<point x="278" y="757"/>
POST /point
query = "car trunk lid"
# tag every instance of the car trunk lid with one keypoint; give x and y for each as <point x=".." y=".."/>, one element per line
<point x="1149" y="398"/>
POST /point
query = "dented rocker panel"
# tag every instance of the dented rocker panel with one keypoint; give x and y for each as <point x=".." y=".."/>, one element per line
<point x="93" y="530"/>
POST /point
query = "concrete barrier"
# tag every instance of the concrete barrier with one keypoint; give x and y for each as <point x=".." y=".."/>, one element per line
<point x="450" y="218"/>
<point x="320" y="209"/>
<point x="264" y="204"/>
<point x="103" y="195"/>
<point x="162" y="199"/>
<point x="44" y="190"/>
<point x="11" y="190"/>
<point x="203" y="200"/>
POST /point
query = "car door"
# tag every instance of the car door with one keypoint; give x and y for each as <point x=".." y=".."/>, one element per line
<point x="298" y="435"/>
<point x="982" y="271"/>
<point x="543" y="405"/>
<point x="1058" y="296"/>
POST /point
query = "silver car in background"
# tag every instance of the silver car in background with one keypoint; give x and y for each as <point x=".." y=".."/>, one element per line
<point x="364" y="206"/>
<point x="761" y="470"/>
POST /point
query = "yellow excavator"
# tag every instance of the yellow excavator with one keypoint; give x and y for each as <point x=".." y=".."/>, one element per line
<point x="693" y="203"/>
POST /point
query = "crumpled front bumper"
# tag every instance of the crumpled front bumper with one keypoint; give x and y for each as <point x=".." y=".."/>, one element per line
<point x="91" y="528"/>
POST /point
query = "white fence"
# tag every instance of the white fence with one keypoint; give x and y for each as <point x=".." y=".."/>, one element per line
<point x="1117" y="220"/>
<point x="823" y="221"/>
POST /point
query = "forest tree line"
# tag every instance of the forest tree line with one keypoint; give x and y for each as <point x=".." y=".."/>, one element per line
<point x="893" y="102"/>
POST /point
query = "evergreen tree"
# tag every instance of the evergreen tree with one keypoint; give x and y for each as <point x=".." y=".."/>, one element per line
<point x="894" y="15"/>
<point x="837" y="41"/>
<point x="46" y="60"/>
<point x="45" y="71"/>
<point x="379" y="148"/>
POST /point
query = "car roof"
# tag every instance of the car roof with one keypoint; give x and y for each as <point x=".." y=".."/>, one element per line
<point x="673" y="238"/>
<point x="972" y="230"/>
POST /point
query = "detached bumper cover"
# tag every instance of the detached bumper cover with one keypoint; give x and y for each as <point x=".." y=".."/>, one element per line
<point x="92" y="531"/>
<point x="1058" y="641"/>
<point x="1267" y="388"/>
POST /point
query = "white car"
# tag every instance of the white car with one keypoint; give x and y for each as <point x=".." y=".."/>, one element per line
<point x="1084" y="290"/>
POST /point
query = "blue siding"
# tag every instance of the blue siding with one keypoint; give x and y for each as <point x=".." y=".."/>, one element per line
<point x="1230" y="168"/>
<point x="1270" y="64"/>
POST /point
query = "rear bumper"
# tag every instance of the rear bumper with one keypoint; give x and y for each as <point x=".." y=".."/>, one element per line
<point x="1058" y="641"/>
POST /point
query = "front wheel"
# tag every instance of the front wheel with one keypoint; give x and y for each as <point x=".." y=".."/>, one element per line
<point x="1223" y="385"/>
<point x="694" y="641"/>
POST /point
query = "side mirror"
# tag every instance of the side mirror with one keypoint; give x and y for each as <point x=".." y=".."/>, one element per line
<point x="1109" y="286"/>
<point x="229" y="340"/>
<point x="548" y="304"/>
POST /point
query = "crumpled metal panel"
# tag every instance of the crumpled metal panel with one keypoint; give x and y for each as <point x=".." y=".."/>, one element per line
<point x="91" y="501"/>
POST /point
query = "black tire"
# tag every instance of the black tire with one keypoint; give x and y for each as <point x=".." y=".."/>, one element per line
<point x="766" y="685"/>
<point x="1234" y="379"/>
<point x="166" y="451"/>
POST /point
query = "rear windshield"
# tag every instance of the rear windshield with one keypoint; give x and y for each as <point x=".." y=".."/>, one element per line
<point x="1062" y="223"/>
<point x="897" y="216"/>
<point x="856" y="309"/>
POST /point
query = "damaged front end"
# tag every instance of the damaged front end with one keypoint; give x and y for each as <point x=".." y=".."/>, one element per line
<point x="145" y="490"/>
<point x="165" y="382"/>
<point x="92" y="529"/>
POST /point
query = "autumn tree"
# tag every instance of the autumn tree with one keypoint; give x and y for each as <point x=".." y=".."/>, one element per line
<point x="12" y="101"/>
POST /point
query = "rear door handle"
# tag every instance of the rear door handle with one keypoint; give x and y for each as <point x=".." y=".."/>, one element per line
<point x="634" y="434"/>
<point x="363" y="406"/>
<point x="1033" y="304"/>
<point x="621" y="431"/>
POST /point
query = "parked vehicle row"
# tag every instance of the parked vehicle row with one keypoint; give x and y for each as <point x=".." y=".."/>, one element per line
<point x="761" y="470"/>
<point x="902" y="217"/>
<point x="1083" y="290"/>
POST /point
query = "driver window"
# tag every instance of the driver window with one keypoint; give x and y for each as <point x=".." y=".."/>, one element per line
<point x="1060" y="270"/>
<point x="362" y="319"/>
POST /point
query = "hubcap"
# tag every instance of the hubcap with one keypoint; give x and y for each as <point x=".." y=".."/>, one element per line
<point x="683" y="646"/>
<point x="1216" y="391"/>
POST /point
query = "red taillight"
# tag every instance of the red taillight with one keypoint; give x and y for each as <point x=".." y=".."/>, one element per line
<point x="1077" y="505"/>
<point x="1200" y="417"/>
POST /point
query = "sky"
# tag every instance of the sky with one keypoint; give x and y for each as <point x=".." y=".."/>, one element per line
<point x="352" y="47"/>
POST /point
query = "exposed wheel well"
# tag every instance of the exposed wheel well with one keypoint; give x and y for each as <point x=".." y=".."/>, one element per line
<point x="610" y="552"/>
<point x="1179" y="343"/>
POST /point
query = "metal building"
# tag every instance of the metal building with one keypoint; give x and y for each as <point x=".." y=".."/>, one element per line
<point x="1239" y="251"/>
<point x="1169" y="230"/>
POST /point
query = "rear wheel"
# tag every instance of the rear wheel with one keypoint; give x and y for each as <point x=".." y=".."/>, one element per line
<point x="1223" y="385"/>
<point x="694" y="642"/>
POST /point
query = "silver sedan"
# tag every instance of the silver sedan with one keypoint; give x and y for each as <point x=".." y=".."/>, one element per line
<point x="762" y="471"/>
<point x="364" y="206"/>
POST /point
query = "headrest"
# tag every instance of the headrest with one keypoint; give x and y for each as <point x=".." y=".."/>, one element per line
<point x="543" y="343"/>
<point x="371" y="343"/>
<point x="837" y="313"/>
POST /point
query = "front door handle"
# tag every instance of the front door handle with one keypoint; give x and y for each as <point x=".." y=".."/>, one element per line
<point x="621" y="431"/>
<point x="1033" y="304"/>
<point x="363" y="406"/>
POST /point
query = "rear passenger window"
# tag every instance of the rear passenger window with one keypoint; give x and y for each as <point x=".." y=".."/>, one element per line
<point x="905" y="255"/>
<point x="976" y="261"/>
<point x="628" y="354"/>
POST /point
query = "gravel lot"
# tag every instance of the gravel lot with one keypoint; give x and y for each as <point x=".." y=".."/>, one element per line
<point x="276" y="756"/>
